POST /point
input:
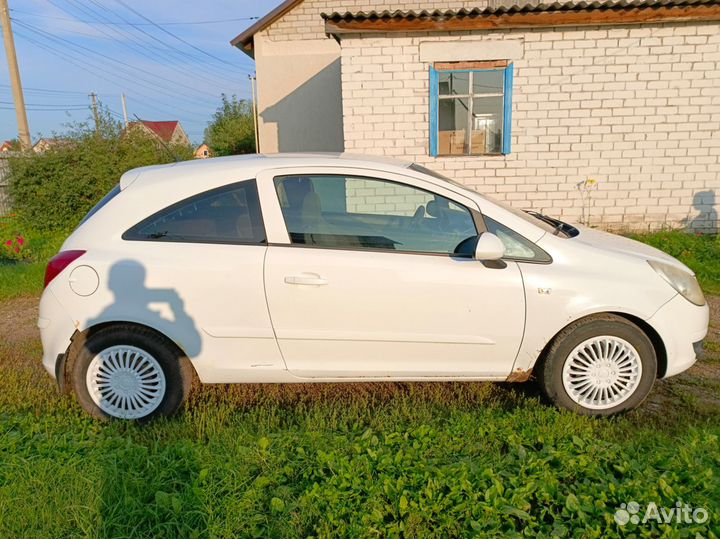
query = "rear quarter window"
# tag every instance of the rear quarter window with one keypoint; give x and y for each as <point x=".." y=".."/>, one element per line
<point x="229" y="214"/>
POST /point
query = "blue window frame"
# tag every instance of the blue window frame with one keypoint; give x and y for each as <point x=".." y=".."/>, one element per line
<point x="470" y="111"/>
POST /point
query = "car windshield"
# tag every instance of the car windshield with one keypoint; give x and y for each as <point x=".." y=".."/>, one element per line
<point x="530" y="218"/>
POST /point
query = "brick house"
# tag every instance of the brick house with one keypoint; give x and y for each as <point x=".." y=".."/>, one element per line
<point x="524" y="101"/>
<point x="170" y="132"/>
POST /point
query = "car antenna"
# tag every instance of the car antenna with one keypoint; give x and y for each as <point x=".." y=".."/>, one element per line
<point x="172" y="154"/>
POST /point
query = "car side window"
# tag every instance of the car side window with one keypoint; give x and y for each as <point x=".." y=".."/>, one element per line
<point x="516" y="246"/>
<point x="229" y="214"/>
<point x="352" y="212"/>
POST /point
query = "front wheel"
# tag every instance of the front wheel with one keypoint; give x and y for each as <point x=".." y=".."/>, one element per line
<point x="128" y="372"/>
<point x="600" y="365"/>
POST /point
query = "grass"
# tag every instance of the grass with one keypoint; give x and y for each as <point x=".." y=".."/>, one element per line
<point x="345" y="460"/>
<point x="352" y="460"/>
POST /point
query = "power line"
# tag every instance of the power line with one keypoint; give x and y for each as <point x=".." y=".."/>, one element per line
<point x="140" y="47"/>
<point x="45" y="104"/>
<point x="56" y="39"/>
<point x="168" y="32"/>
<point x="32" y="109"/>
<point x="84" y="64"/>
<point x="46" y="90"/>
<point x="124" y="23"/>
<point x="162" y="43"/>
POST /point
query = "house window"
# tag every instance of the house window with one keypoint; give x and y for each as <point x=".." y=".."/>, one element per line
<point x="470" y="108"/>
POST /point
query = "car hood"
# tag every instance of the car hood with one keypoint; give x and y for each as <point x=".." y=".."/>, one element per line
<point x="619" y="244"/>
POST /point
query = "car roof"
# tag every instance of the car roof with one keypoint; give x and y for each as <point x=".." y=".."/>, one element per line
<point x="254" y="163"/>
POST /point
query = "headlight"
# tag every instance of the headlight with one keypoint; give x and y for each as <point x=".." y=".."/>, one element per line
<point x="682" y="281"/>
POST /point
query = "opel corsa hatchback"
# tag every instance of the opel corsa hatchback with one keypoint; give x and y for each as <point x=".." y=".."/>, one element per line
<point x="320" y="268"/>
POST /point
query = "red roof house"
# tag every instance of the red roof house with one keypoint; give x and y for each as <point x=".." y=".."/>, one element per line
<point x="170" y="132"/>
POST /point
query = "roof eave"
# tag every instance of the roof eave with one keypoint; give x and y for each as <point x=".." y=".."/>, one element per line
<point x="245" y="41"/>
<point x="338" y="25"/>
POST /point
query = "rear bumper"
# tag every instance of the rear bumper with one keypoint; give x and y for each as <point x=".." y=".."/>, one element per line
<point x="681" y="326"/>
<point x="56" y="330"/>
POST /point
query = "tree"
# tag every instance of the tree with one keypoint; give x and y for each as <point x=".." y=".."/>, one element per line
<point x="232" y="129"/>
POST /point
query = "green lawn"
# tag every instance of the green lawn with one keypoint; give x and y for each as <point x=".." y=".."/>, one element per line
<point x="351" y="460"/>
<point x="380" y="460"/>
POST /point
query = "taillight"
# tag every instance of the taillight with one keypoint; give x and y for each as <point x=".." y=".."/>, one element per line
<point x="59" y="262"/>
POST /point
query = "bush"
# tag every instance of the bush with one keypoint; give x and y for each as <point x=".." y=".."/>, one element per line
<point x="232" y="129"/>
<point x="53" y="190"/>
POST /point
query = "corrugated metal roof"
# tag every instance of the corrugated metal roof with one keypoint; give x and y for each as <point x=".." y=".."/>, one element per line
<point x="511" y="6"/>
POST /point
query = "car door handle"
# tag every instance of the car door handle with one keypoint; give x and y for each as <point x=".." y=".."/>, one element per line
<point x="306" y="279"/>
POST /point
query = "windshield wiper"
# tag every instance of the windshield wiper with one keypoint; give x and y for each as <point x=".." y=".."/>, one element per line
<point x="557" y="224"/>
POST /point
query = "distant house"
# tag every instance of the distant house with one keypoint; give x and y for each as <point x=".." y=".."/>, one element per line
<point x="202" y="151"/>
<point x="523" y="99"/>
<point x="6" y="146"/>
<point x="44" y="144"/>
<point x="170" y="132"/>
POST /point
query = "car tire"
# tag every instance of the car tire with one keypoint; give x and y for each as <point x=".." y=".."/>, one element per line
<point x="600" y="365"/>
<point x="128" y="372"/>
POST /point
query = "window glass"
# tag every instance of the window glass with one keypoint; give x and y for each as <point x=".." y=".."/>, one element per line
<point x="487" y="120"/>
<point x="226" y="215"/>
<point x="453" y="122"/>
<point x="488" y="82"/>
<point x="471" y="109"/>
<point x="516" y="246"/>
<point x="361" y="213"/>
<point x="454" y="83"/>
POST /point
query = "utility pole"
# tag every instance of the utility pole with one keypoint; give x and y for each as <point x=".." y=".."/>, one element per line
<point x="124" y="105"/>
<point x="253" y="81"/>
<point x="93" y="99"/>
<point x="23" y="129"/>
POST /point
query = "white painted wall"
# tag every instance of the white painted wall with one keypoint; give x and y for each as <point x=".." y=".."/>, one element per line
<point x="299" y="95"/>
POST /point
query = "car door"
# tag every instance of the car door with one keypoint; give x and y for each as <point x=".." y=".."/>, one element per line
<point x="362" y="280"/>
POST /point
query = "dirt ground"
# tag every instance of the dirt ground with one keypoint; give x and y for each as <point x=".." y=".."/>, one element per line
<point x="700" y="384"/>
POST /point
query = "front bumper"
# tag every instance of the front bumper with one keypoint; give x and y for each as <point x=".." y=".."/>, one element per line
<point x="56" y="330"/>
<point x="681" y="325"/>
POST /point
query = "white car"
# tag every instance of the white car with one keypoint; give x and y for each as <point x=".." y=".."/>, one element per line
<point x="327" y="268"/>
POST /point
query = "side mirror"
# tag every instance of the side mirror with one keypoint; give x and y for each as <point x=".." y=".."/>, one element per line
<point x="489" y="247"/>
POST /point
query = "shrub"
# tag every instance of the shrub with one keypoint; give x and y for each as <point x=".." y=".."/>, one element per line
<point x="232" y="130"/>
<point x="54" y="189"/>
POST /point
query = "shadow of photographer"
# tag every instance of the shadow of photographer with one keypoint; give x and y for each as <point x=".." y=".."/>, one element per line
<point x="126" y="281"/>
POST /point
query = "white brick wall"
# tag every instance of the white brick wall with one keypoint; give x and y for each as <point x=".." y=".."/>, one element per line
<point x="637" y="108"/>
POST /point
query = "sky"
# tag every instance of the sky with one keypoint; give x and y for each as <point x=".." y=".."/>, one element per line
<point x="67" y="49"/>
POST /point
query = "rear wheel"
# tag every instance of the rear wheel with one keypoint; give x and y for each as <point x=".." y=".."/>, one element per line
<point x="128" y="372"/>
<point x="600" y="365"/>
